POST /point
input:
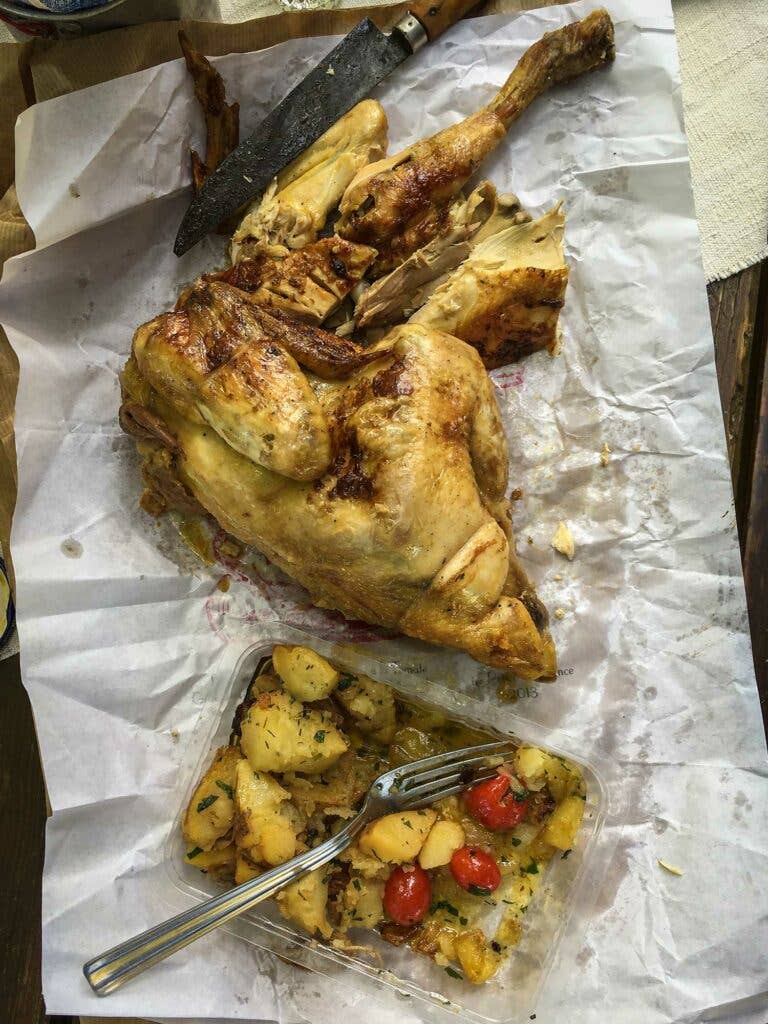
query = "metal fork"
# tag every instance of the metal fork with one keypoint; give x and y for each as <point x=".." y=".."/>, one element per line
<point x="406" y="788"/>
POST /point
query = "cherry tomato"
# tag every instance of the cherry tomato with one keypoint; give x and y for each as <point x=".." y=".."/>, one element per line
<point x="475" y="870"/>
<point x="407" y="894"/>
<point x="495" y="804"/>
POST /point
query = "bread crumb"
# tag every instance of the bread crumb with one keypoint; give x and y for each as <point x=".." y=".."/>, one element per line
<point x="330" y="71"/>
<point x="636" y="448"/>
<point x="563" y="541"/>
<point x="559" y="613"/>
<point x="558" y="576"/>
<point x="605" y="453"/>
<point x="517" y="494"/>
<point x="669" y="867"/>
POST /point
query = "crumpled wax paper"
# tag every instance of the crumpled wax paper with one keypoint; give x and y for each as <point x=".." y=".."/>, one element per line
<point x="118" y="634"/>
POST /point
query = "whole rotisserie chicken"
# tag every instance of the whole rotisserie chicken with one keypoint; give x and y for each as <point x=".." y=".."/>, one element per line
<point x="374" y="475"/>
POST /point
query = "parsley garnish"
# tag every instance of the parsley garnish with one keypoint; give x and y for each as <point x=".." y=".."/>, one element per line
<point x="532" y="869"/>
<point x="320" y="736"/>
<point x="227" y="788"/>
<point x="446" y="906"/>
<point x="519" y="797"/>
<point x="454" y="973"/>
<point x="346" y="681"/>
<point x="407" y="823"/>
<point x="207" y="801"/>
<point x="515" y="841"/>
<point x="194" y="853"/>
<point x="479" y="890"/>
<point x="356" y="883"/>
<point x="565" y="855"/>
<point x="462" y="920"/>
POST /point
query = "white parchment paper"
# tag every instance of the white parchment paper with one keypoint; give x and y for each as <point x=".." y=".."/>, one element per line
<point x="118" y="638"/>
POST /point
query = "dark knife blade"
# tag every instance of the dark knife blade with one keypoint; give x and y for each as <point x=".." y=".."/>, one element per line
<point x="361" y="60"/>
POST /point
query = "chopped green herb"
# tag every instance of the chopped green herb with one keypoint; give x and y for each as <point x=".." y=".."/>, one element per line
<point x="532" y="869"/>
<point x="495" y="946"/>
<point x="454" y="973"/>
<point x="462" y="920"/>
<point x="207" y="801"/>
<point x="346" y="681"/>
<point x="227" y="788"/>
<point x="479" y="890"/>
<point x="444" y="905"/>
<point x="519" y="797"/>
<point x="320" y="736"/>
<point x="515" y="841"/>
<point x="407" y="823"/>
<point x="356" y="883"/>
<point x="565" y="855"/>
<point x="194" y="853"/>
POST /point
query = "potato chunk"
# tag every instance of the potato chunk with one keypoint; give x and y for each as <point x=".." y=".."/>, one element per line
<point x="266" y="825"/>
<point x="218" y="863"/>
<point x="444" y="839"/>
<point x="397" y="838"/>
<point x="371" y="704"/>
<point x="564" y="823"/>
<point x="477" y="959"/>
<point x="279" y="734"/>
<point x="305" y="674"/>
<point x="305" y="902"/>
<point x="362" y="905"/>
<point x="245" y="869"/>
<point x="211" y="810"/>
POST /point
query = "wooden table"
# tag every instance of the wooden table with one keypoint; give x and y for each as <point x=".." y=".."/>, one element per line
<point x="739" y="310"/>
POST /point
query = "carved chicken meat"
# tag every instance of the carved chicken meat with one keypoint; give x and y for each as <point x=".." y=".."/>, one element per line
<point x="506" y="297"/>
<point x="382" y="492"/>
<point x="398" y="204"/>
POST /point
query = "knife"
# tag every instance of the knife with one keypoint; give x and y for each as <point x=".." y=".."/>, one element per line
<point x="349" y="72"/>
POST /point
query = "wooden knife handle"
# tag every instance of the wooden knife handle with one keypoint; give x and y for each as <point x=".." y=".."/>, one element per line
<point x="438" y="15"/>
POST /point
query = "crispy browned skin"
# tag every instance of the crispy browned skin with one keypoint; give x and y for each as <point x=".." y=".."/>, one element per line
<point x="398" y="204"/>
<point x="308" y="283"/>
<point x="222" y="119"/>
<point x="382" y="493"/>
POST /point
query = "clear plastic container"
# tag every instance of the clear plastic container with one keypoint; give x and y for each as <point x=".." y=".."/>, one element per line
<point x="558" y="913"/>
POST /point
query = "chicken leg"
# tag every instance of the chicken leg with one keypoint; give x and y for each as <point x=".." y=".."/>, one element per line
<point x="398" y="204"/>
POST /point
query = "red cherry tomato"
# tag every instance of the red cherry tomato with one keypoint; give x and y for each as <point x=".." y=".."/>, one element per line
<point x="495" y="804"/>
<point x="407" y="894"/>
<point x="475" y="870"/>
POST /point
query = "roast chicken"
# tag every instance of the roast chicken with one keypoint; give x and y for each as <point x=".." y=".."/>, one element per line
<point x="372" y="469"/>
<point x="382" y="493"/>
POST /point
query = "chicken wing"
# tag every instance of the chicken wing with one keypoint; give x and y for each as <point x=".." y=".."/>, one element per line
<point x="398" y="204"/>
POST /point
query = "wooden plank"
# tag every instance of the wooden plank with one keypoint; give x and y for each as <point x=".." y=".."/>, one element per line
<point x="754" y="500"/>
<point x="733" y="309"/>
<point x="22" y="811"/>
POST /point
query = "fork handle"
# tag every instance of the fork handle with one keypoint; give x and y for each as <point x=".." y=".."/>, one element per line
<point x="110" y="970"/>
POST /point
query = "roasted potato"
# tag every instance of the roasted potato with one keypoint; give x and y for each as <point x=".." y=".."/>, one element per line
<point x="219" y="863"/>
<point x="305" y="674"/>
<point x="362" y="905"/>
<point x="370" y="704"/>
<point x="397" y="838"/>
<point x="266" y="824"/>
<point x="444" y="839"/>
<point x="280" y="734"/>
<point x="478" y="961"/>
<point x="560" y="831"/>
<point x="305" y="902"/>
<point x="211" y="810"/>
